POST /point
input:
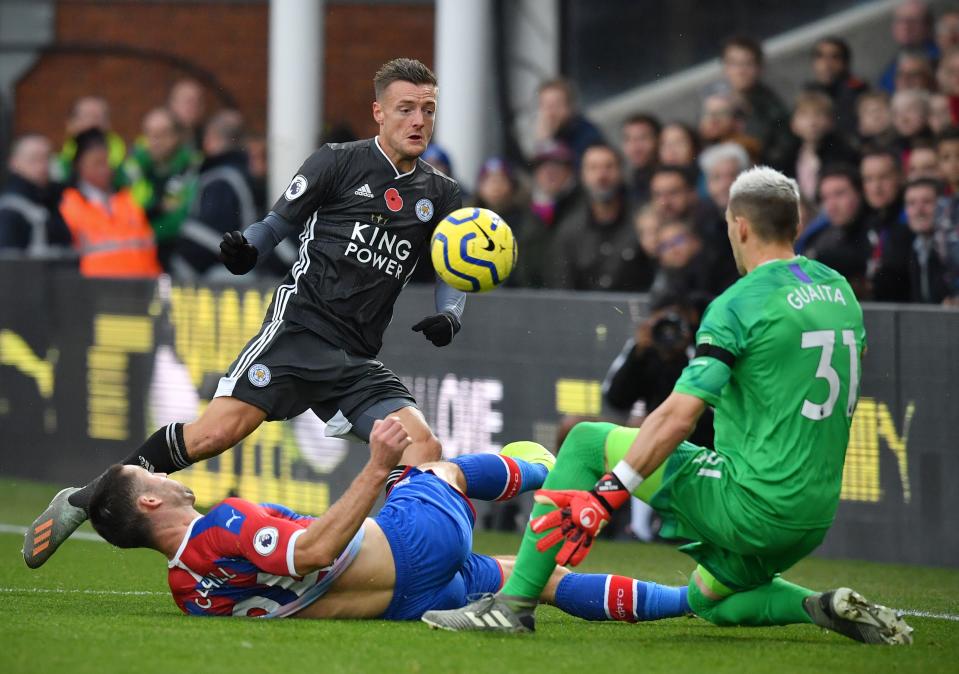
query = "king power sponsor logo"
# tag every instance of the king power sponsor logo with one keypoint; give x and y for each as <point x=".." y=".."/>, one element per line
<point x="375" y="247"/>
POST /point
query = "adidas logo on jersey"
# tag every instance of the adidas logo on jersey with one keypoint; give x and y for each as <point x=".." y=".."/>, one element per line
<point x="364" y="191"/>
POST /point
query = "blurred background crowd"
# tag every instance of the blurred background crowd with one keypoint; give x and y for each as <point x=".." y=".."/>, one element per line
<point x="642" y="210"/>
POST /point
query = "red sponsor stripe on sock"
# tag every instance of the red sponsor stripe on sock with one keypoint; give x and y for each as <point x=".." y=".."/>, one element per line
<point x="514" y="479"/>
<point x="619" y="599"/>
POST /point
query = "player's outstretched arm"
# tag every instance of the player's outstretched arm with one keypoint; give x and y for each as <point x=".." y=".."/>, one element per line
<point x="329" y="535"/>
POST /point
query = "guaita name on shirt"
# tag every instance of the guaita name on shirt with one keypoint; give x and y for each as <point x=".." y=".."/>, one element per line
<point x="802" y="295"/>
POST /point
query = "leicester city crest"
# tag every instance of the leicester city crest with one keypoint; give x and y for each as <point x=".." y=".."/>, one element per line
<point x="259" y="375"/>
<point x="424" y="210"/>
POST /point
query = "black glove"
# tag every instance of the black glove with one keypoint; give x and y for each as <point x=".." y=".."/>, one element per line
<point x="439" y="328"/>
<point x="237" y="254"/>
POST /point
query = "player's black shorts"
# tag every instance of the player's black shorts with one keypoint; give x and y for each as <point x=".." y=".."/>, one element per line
<point x="287" y="369"/>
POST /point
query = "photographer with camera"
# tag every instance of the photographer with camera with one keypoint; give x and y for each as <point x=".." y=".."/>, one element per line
<point x="644" y="373"/>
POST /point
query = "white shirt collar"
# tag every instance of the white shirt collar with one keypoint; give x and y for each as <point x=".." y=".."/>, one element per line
<point x="186" y="538"/>
<point x="376" y="141"/>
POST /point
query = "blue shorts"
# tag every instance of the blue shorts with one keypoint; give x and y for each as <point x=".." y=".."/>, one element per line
<point x="429" y="526"/>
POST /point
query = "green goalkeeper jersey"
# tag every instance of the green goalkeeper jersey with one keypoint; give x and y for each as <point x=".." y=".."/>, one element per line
<point x="778" y="356"/>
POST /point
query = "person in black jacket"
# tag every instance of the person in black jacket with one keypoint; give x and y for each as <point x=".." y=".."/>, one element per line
<point x="224" y="200"/>
<point x="30" y="222"/>
<point x="831" y="63"/>
<point x="815" y="144"/>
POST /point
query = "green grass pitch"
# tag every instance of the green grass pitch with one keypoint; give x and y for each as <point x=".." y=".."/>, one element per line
<point x="96" y="609"/>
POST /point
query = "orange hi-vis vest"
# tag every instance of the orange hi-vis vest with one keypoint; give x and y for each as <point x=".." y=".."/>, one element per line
<point x="115" y="244"/>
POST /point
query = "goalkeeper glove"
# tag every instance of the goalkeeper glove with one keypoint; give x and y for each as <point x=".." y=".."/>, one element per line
<point x="579" y="517"/>
<point x="439" y="328"/>
<point x="237" y="254"/>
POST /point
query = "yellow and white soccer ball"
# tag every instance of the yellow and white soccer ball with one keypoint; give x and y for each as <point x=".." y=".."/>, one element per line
<point x="473" y="250"/>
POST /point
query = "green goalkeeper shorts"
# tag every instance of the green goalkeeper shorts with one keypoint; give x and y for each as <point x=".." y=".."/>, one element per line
<point x="700" y="501"/>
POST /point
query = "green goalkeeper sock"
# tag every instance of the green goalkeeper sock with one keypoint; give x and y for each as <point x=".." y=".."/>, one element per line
<point x="778" y="602"/>
<point x="580" y="462"/>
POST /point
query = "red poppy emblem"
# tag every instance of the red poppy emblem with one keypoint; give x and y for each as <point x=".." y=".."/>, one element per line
<point x="394" y="201"/>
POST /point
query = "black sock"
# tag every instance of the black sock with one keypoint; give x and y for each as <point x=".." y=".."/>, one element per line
<point x="163" y="452"/>
<point x="395" y="476"/>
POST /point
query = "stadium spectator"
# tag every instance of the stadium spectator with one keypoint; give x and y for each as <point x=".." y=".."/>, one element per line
<point x="651" y="361"/>
<point x="947" y="212"/>
<point x="910" y="119"/>
<point x="767" y="118"/>
<point x="161" y="171"/>
<point x="721" y="164"/>
<point x="558" y="119"/>
<point x="816" y="143"/>
<point x="911" y="29"/>
<point x="640" y="137"/>
<point x="187" y="102"/>
<point x="843" y="243"/>
<point x="875" y="119"/>
<point x="30" y="222"/>
<point x="597" y="248"/>
<point x="947" y="152"/>
<point x="88" y="112"/>
<point x="674" y="198"/>
<point x="947" y="76"/>
<point x="647" y="222"/>
<point x="914" y="70"/>
<point x="914" y="265"/>
<point x="439" y="159"/>
<point x="722" y="119"/>
<point x="831" y="69"/>
<point x="923" y="161"/>
<point x="928" y="261"/>
<point x="554" y="196"/>
<point x="940" y="113"/>
<point x="678" y="146"/>
<point x="947" y="30"/>
<point x="684" y="266"/>
<point x="110" y="230"/>
<point x="882" y="191"/>
<point x="224" y="200"/>
<point x="498" y="190"/>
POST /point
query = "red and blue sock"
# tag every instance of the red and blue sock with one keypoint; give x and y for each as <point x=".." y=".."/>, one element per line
<point x="605" y="597"/>
<point x="493" y="477"/>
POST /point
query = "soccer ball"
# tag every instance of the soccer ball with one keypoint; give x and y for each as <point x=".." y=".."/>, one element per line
<point x="473" y="250"/>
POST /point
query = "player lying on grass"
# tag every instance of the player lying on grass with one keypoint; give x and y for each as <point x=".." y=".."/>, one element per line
<point x="778" y="357"/>
<point x="245" y="559"/>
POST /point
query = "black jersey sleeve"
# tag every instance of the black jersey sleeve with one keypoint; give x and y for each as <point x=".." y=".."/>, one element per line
<point x="453" y="202"/>
<point x="310" y="188"/>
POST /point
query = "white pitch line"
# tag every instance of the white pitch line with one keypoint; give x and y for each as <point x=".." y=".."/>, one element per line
<point x="926" y="614"/>
<point x="86" y="536"/>
<point x="79" y="535"/>
<point x="47" y="590"/>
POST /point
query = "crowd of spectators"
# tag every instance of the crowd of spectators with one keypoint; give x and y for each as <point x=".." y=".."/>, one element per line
<point x="159" y="205"/>
<point x="877" y="165"/>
